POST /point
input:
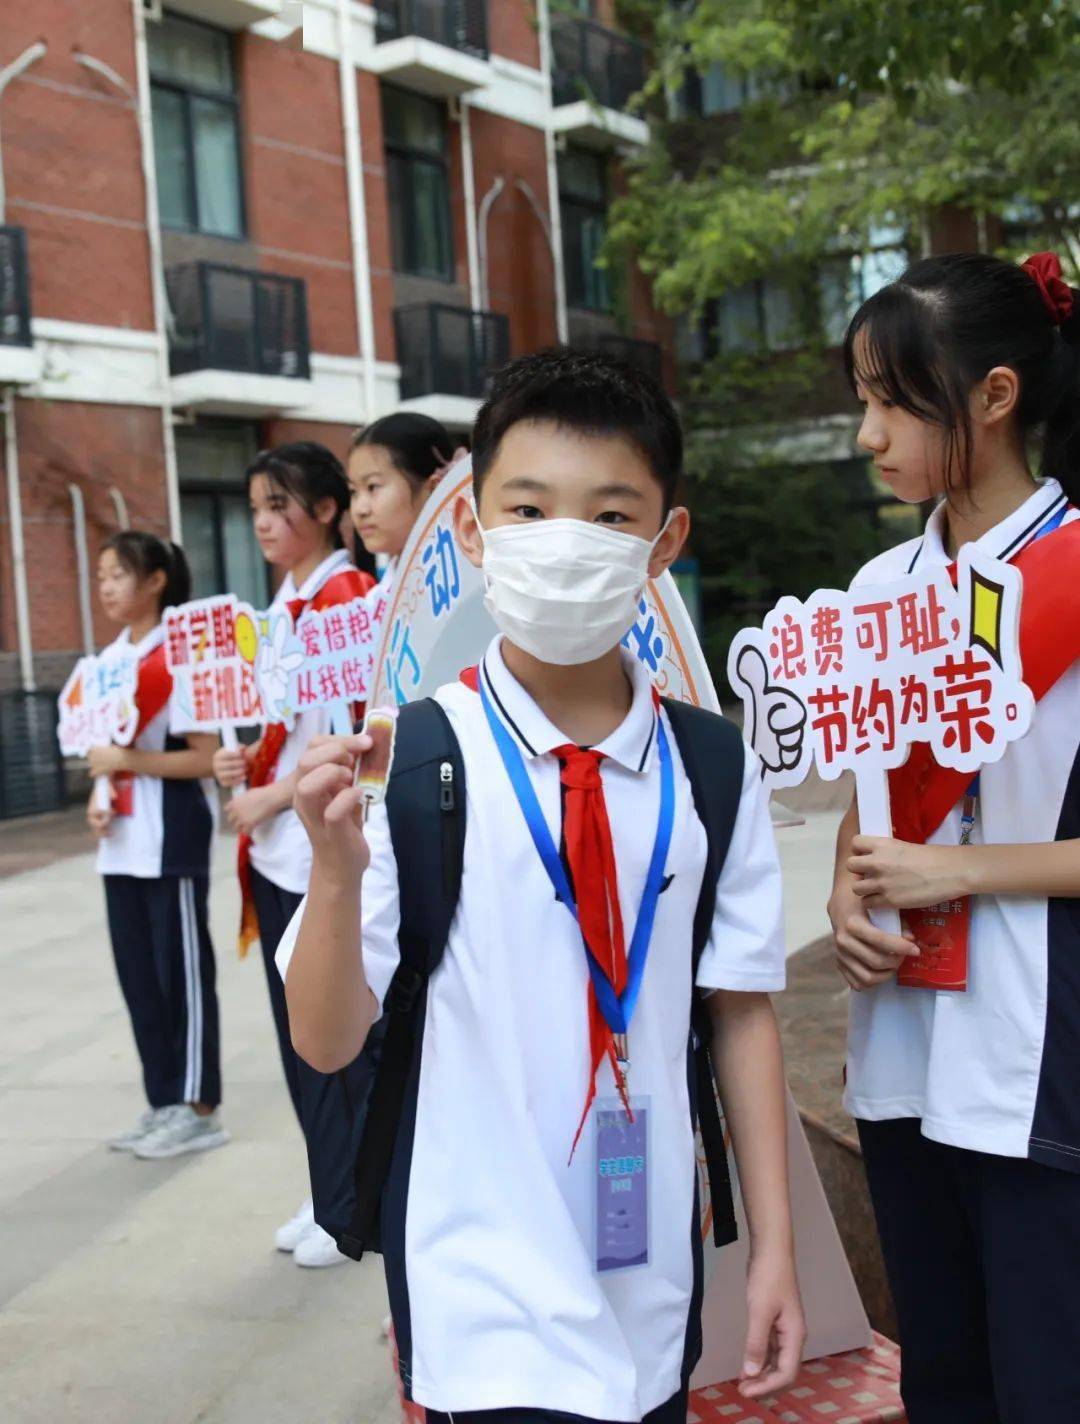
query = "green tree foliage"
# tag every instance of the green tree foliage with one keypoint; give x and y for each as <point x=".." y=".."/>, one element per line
<point x="866" y="114"/>
<point x="881" y="113"/>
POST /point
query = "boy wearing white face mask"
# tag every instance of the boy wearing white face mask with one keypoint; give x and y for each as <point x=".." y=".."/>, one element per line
<point x="540" y="1252"/>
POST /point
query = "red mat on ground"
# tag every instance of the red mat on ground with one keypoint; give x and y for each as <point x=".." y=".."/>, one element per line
<point x="861" y="1387"/>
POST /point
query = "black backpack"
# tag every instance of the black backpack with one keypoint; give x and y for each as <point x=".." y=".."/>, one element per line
<point x="351" y="1117"/>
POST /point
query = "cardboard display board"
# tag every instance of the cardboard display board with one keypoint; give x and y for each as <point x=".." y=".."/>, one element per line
<point x="436" y="623"/>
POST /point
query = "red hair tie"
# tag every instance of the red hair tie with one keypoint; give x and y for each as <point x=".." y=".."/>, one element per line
<point x="1045" y="270"/>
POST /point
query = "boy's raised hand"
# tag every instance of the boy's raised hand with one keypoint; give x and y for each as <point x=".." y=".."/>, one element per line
<point x="330" y="806"/>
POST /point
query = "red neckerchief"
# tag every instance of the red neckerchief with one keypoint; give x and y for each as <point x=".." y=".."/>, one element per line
<point x="342" y="587"/>
<point x="153" y="688"/>
<point x="923" y="793"/>
<point x="593" y="874"/>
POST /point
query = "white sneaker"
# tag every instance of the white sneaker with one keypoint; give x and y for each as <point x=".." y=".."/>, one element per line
<point x="125" y="1141"/>
<point x="182" y="1130"/>
<point x="289" y="1236"/>
<point x="318" y="1248"/>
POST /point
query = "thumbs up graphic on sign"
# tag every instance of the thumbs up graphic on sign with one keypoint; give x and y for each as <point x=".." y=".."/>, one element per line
<point x="776" y="717"/>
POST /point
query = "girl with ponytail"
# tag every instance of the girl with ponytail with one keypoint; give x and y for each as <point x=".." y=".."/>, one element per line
<point x="966" y="1102"/>
<point x="154" y="854"/>
<point x="298" y="496"/>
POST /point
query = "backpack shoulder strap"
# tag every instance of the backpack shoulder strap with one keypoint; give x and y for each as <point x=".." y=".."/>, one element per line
<point x="714" y="758"/>
<point x="425" y="804"/>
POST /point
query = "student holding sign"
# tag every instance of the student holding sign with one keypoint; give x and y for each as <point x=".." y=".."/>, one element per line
<point x="154" y="854"/>
<point x="393" y="466"/>
<point x="967" y="1100"/>
<point x="298" y="497"/>
<point x="540" y="1217"/>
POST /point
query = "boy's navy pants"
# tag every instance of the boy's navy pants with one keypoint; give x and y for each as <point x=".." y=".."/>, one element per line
<point x="983" y="1257"/>
<point x="165" y="963"/>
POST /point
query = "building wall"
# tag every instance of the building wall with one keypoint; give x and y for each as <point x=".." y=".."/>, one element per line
<point x="72" y="166"/>
<point x="96" y="448"/>
<point x="73" y="170"/>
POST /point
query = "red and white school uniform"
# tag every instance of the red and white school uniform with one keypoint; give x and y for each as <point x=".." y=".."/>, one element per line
<point x="155" y="862"/>
<point x="275" y="863"/>
<point x="967" y="1103"/>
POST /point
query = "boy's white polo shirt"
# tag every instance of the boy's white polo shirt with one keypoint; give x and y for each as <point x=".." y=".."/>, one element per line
<point x="994" y="1069"/>
<point x="280" y="849"/>
<point x="494" y="1295"/>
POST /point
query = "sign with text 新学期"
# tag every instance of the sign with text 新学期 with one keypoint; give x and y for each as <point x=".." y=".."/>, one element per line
<point x="234" y="666"/>
<point x="848" y="681"/>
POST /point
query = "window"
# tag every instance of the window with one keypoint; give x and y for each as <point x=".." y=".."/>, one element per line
<point x="419" y="185"/>
<point x="218" y="538"/>
<point x="761" y="316"/>
<point x="847" y="281"/>
<point x="583" y="201"/>
<point x="719" y="90"/>
<point x="196" y="128"/>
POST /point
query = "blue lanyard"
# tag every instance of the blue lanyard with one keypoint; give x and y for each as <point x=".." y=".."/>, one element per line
<point x="971" y="796"/>
<point x="618" y="1011"/>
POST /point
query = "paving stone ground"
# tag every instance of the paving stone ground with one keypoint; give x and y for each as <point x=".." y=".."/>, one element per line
<point x="149" y="1293"/>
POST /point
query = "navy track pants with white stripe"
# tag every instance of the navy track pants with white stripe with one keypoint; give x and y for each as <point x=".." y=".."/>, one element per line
<point x="165" y="963"/>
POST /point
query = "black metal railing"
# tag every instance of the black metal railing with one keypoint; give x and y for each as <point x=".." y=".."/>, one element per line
<point x="444" y="350"/>
<point x="458" y="24"/>
<point x="589" y="61"/>
<point x="14" y="288"/>
<point x="31" y="767"/>
<point x="233" y="319"/>
<point x="646" y="355"/>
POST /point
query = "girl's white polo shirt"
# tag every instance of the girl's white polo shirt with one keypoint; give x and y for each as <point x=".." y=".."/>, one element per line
<point x="487" y="1242"/>
<point x="280" y="849"/>
<point x="995" y="1069"/>
<point x="171" y="823"/>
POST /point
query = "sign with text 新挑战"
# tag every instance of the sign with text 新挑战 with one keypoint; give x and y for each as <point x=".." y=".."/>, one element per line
<point x="235" y="666"/>
<point x="97" y="703"/>
<point x="848" y="681"/>
<point x="213" y="649"/>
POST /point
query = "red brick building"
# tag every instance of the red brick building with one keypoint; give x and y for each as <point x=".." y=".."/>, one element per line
<point x="229" y="223"/>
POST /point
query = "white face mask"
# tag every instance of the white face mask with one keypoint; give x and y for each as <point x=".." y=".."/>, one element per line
<point x="564" y="590"/>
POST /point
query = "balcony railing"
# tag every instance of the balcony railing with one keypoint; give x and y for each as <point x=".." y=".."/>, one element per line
<point x="232" y="319"/>
<point x="449" y="351"/>
<point x="590" y="61"/>
<point x="14" y="288"/>
<point x="457" y="24"/>
<point x="647" y="356"/>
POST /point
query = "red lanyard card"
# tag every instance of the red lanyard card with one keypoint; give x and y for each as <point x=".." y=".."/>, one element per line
<point x="942" y="931"/>
<point x="123" y="793"/>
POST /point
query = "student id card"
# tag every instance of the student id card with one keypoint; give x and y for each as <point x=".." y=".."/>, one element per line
<point x="622" y="1185"/>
